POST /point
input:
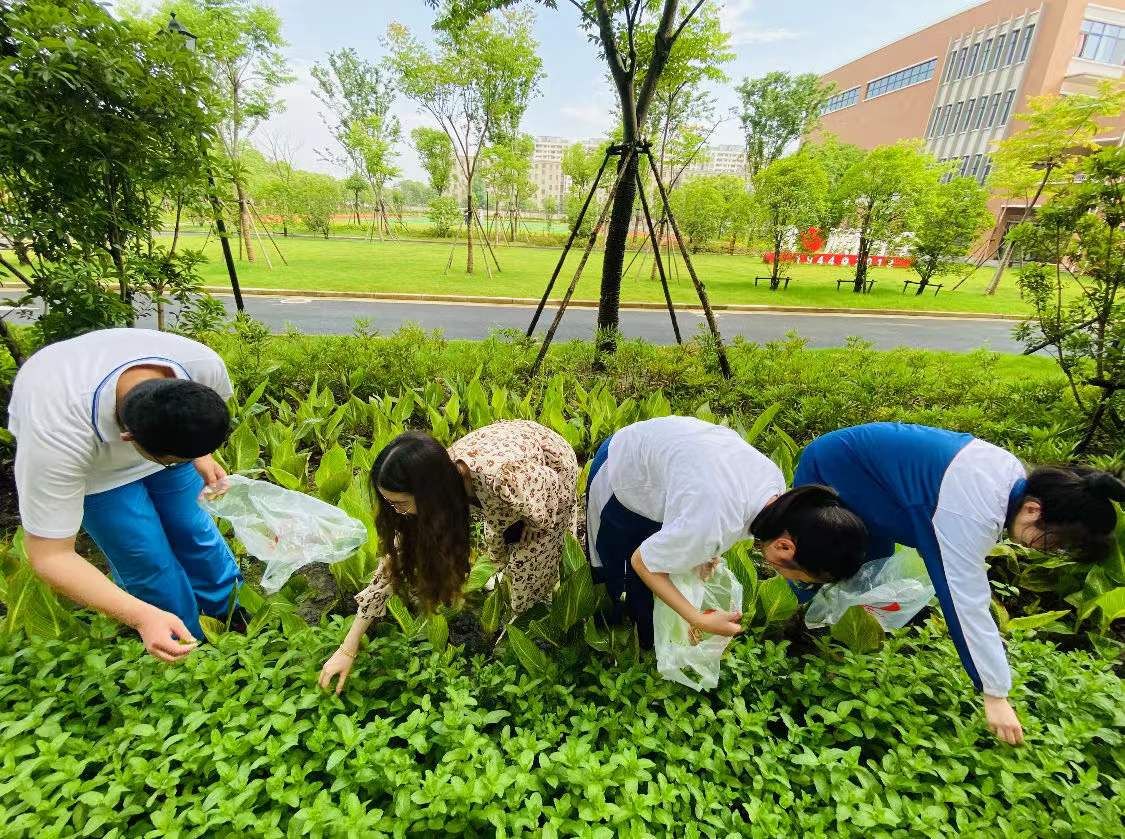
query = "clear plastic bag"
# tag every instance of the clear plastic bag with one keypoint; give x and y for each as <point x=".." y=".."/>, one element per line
<point x="678" y="657"/>
<point x="892" y="590"/>
<point x="284" y="528"/>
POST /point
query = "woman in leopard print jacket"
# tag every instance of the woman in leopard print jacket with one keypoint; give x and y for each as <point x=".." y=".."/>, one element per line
<point x="520" y="476"/>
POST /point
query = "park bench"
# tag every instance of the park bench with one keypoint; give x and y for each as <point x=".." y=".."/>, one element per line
<point x="851" y="281"/>
<point x="907" y="283"/>
<point x="780" y="279"/>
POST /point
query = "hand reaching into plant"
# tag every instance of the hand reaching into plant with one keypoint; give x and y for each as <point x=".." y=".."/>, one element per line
<point x="340" y="664"/>
<point x="1002" y="719"/>
<point x="165" y="636"/>
<point x="707" y="569"/>
<point x="719" y="623"/>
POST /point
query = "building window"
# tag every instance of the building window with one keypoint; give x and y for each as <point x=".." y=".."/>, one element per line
<point x="902" y="78"/>
<point x="986" y="169"/>
<point x="840" y="101"/>
<point x="960" y="70"/>
<point x="956" y="117"/>
<point x="967" y="117"/>
<point x="933" y="119"/>
<point x="993" y="107"/>
<point x="1102" y="42"/>
<point x="997" y="53"/>
<point x="964" y="165"/>
<point x="971" y="61"/>
<point x="943" y="123"/>
<point x="978" y="117"/>
<point x="985" y="51"/>
<point x="1025" y="48"/>
<point x="1013" y="42"/>
<point x="975" y="168"/>
<point x="1006" y="111"/>
<point x="948" y="71"/>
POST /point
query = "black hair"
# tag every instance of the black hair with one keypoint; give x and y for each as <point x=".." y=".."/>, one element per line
<point x="175" y="417"/>
<point x="428" y="552"/>
<point x="830" y="540"/>
<point x="1076" y="507"/>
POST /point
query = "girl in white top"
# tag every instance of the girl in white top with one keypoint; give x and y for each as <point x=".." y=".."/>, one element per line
<point x="671" y="494"/>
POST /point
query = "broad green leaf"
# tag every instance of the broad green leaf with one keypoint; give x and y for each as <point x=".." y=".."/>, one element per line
<point x="250" y="599"/>
<point x="761" y="423"/>
<point x="437" y="632"/>
<point x="1109" y="605"/>
<point x="291" y="622"/>
<point x="574" y="557"/>
<point x="284" y="479"/>
<point x="533" y="659"/>
<point x="574" y="601"/>
<point x="1035" y="621"/>
<point x="243" y="448"/>
<point x="743" y="568"/>
<point x="479" y="575"/>
<point x="705" y="413"/>
<point x="492" y="612"/>
<point x="594" y="636"/>
<point x="858" y="631"/>
<point x="406" y="621"/>
<point x="213" y="628"/>
<point x="333" y="474"/>
<point x="776" y="601"/>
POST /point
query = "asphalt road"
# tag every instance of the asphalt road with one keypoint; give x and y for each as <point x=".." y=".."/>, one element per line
<point x="474" y="321"/>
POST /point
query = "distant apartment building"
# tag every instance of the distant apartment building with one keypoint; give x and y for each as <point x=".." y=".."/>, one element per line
<point x="957" y="83"/>
<point x="549" y="180"/>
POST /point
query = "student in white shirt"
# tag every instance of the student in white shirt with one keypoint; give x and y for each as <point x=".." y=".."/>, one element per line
<point x="114" y="434"/>
<point x="670" y="494"/>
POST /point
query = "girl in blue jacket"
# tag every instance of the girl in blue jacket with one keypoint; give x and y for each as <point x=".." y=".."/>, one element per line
<point x="951" y="496"/>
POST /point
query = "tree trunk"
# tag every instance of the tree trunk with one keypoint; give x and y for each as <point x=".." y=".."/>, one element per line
<point x="176" y="227"/>
<point x="861" y="264"/>
<point x="620" y="220"/>
<point x="244" y="220"/>
<point x="159" y="314"/>
<point x="776" y="263"/>
<point x="1005" y="261"/>
<point x="9" y="341"/>
<point x="470" y="220"/>
<point x="22" y="255"/>
<point x="922" y="283"/>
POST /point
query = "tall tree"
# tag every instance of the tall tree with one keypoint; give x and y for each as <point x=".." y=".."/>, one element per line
<point x="788" y="195"/>
<point x="435" y="153"/>
<point x="508" y="174"/>
<point x="476" y="84"/>
<point x="1059" y="131"/>
<point x="835" y="159"/>
<point x="358" y="95"/>
<point x="613" y="25"/>
<point x="879" y="195"/>
<point x="99" y="119"/>
<point x="240" y="41"/>
<point x="777" y="110"/>
<point x="949" y="220"/>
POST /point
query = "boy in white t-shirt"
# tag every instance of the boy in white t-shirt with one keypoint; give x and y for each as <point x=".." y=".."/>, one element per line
<point x="114" y="434"/>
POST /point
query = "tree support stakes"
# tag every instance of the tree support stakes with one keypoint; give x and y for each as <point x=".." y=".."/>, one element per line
<point x="221" y="226"/>
<point x="656" y="255"/>
<point x="262" y="225"/>
<point x="569" y="242"/>
<point x="582" y="262"/>
<point x="700" y="289"/>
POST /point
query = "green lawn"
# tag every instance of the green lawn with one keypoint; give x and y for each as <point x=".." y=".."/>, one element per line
<point x="419" y="268"/>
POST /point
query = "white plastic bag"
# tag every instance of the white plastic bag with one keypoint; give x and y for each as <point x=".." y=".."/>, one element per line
<point x="695" y="665"/>
<point x="284" y="528"/>
<point x="892" y="590"/>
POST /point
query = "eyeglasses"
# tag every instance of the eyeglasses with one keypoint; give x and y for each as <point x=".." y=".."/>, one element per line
<point x="401" y="509"/>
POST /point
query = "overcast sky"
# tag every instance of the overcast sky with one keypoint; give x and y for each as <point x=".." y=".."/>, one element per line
<point x="575" y="99"/>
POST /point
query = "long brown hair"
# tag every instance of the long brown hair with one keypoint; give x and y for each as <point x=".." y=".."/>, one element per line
<point x="428" y="552"/>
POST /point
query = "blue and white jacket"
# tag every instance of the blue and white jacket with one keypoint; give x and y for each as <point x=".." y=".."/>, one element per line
<point x="947" y="495"/>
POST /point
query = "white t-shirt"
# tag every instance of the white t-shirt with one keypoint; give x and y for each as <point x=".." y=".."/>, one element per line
<point x="703" y="482"/>
<point x="63" y="414"/>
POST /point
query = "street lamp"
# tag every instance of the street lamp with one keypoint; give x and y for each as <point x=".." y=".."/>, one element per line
<point x="178" y="29"/>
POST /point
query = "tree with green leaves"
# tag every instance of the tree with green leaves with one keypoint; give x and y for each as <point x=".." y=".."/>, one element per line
<point x="550" y="206"/>
<point x="1078" y="236"/>
<point x="435" y="153"/>
<point x="788" y="196"/>
<point x="240" y="42"/>
<point x="949" y="219"/>
<point x="316" y="198"/>
<point x="357" y="187"/>
<point x="1058" y="132"/>
<point x="507" y="172"/>
<point x="635" y="70"/>
<point x="777" y="110"/>
<point x="100" y="119"/>
<point x="444" y="215"/>
<point x="358" y="95"/>
<point x="580" y="167"/>
<point x="835" y="159"/>
<point x="878" y="197"/>
<point x="476" y="84"/>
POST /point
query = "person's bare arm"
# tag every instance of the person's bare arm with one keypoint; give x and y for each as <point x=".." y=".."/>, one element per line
<point x="339" y="664"/>
<point x="718" y="623"/>
<point x="57" y="563"/>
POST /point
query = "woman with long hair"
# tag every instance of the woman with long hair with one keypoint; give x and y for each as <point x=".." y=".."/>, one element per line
<point x="951" y="497"/>
<point x="518" y="475"/>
